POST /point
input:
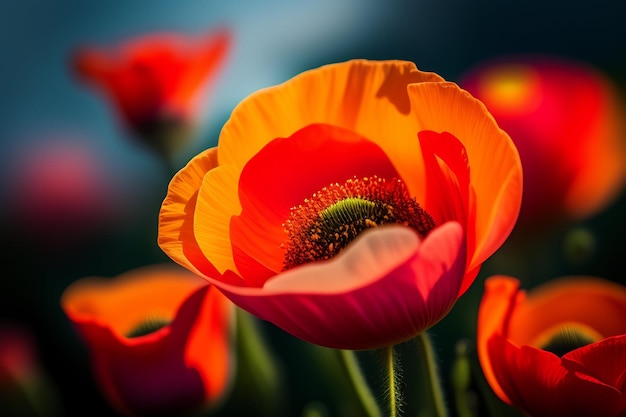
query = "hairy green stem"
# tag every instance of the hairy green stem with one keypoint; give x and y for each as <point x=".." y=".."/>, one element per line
<point x="433" y="377"/>
<point x="351" y="365"/>
<point x="392" y="376"/>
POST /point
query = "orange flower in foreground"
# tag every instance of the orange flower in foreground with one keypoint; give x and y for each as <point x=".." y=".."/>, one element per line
<point x="565" y="119"/>
<point x="558" y="351"/>
<point x="282" y="214"/>
<point x="159" y="338"/>
<point x="155" y="81"/>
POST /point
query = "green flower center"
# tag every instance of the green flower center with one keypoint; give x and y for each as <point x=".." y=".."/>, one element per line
<point x="333" y="217"/>
<point x="567" y="339"/>
<point x="149" y="325"/>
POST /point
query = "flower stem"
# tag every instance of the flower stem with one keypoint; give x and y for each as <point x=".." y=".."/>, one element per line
<point x="363" y="391"/>
<point x="433" y="377"/>
<point x="392" y="376"/>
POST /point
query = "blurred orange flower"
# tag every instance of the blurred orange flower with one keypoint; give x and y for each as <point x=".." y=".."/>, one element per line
<point x="154" y="81"/>
<point x="558" y="351"/>
<point x="282" y="214"/>
<point x="565" y="119"/>
<point x="159" y="338"/>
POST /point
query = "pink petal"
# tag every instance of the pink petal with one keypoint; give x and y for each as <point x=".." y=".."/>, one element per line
<point x="386" y="287"/>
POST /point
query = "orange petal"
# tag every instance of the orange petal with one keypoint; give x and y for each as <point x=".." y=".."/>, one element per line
<point x="367" y="97"/>
<point x="499" y="300"/>
<point x="285" y="173"/>
<point x="184" y="365"/>
<point x="176" y="218"/>
<point x="217" y="203"/>
<point x="592" y="302"/>
<point x="495" y="168"/>
<point x="115" y="305"/>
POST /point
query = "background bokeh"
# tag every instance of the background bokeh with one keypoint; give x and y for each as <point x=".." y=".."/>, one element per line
<point x="56" y="134"/>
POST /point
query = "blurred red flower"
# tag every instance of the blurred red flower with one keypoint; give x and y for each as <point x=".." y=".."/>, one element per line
<point x="25" y="387"/>
<point x="351" y="206"/>
<point x="566" y="121"/>
<point x="154" y="81"/>
<point x="560" y="351"/>
<point x="159" y="338"/>
<point x="59" y="192"/>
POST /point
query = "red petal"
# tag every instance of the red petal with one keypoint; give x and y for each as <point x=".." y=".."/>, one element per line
<point x="285" y="173"/>
<point x="537" y="382"/>
<point x="448" y="186"/>
<point x="181" y="366"/>
<point x="604" y="360"/>
<point x="386" y="287"/>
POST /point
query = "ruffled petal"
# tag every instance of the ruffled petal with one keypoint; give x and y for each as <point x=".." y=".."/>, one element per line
<point x="217" y="203"/>
<point x="114" y="305"/>
<point x="180" y="367"/>
<point x="386" y="287"/>
<point x="367" y="97"/>
<point x="447" y="177"/>
<point x="176" y="218"/>
<point x="591" y="302"/>
<point x="496" y="172"/>
<point x="285" y="173"/>
<point x="499" y="300"/>
<point x="448" y="193"/>
<point x="537" y="382"/>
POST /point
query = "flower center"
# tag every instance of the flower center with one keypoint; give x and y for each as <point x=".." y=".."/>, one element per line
<point x="334" y="216"/>
<point x="566" y="339"/>
<point x="149" y="325"/>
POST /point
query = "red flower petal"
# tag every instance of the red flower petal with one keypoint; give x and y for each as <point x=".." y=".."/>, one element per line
<point x="496" y="172"/>
<point x="604" y="360"/>
<point x="386" y="287"/>
<point x="537" y="382"/>
<point x="285" y="173"/>
<point x="448" y="192"/>
<point x="184" y="365"/>
<point x="156" y="74"/>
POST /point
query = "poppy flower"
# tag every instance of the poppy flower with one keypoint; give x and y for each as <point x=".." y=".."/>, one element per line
<point x="282" y="215"/>
<point x="159" y="339"/>
<point x="565" y="119"/>
<point x="154" y="81"/>
<point x="558" y="351"/>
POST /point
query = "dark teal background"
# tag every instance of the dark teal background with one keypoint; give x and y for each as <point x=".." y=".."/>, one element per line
<point x="273" y="40"/>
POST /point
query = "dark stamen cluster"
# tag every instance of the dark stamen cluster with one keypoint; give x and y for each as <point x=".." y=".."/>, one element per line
<point x="149" y="325"/>
<point x="567" y="339"/>
<point x="334" y="216"/>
